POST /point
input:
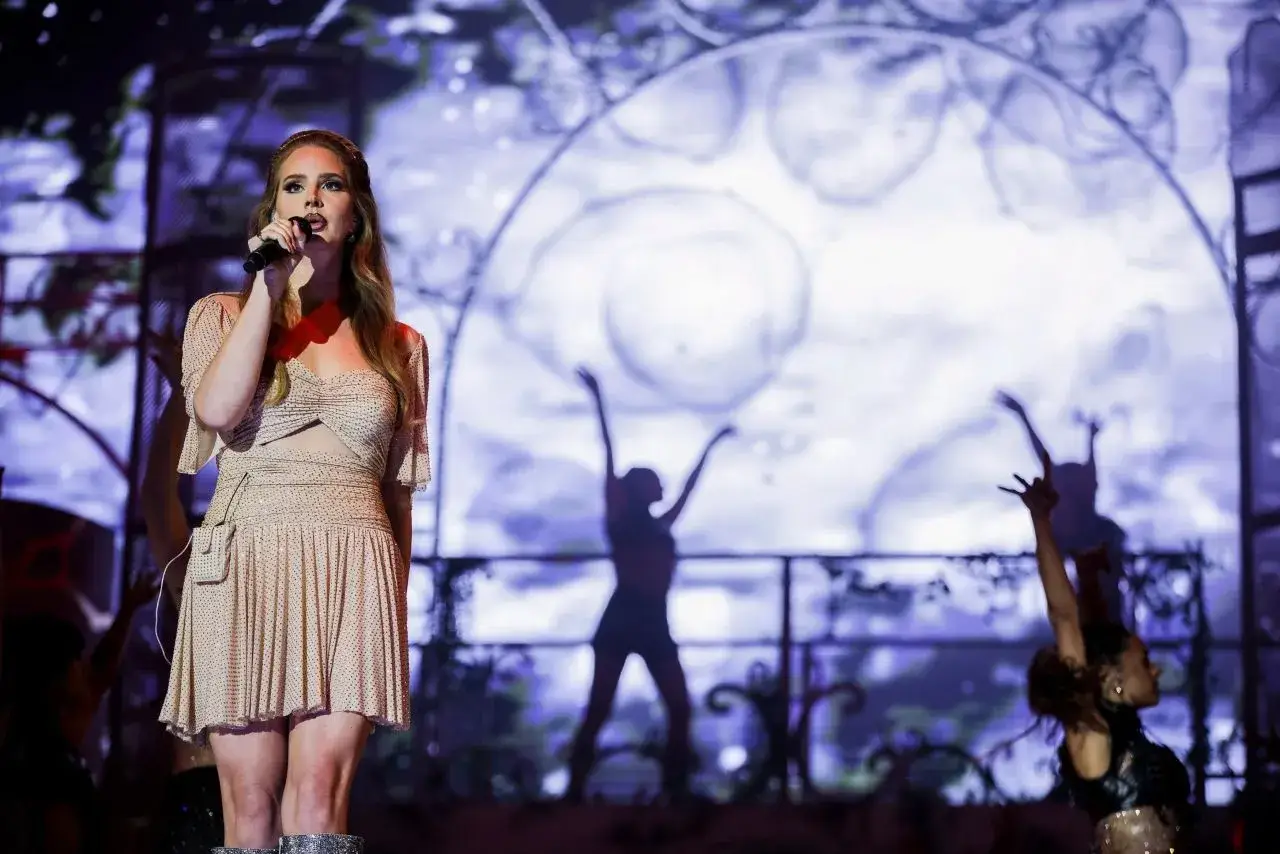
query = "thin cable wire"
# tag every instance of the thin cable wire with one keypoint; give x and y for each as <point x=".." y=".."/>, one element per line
<point x="160" y="597"/>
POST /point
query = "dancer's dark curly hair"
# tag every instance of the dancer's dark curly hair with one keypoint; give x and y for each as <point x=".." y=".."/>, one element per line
<point x="1068" y="693"/>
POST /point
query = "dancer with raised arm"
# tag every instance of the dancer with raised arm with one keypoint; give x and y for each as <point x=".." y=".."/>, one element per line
<point x="635" y="620"/>
<point x="1093" y="681"/>
<point x="292" y="633"/>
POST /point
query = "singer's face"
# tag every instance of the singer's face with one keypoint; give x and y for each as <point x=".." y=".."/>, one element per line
<point x="313" y="185"/>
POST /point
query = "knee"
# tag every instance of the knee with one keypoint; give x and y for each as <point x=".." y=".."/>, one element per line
<point x="316" y="794"/>
<point x="250" y="806"/>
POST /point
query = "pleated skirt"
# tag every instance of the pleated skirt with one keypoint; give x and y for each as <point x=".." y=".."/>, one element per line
<point x="311" y="615"/>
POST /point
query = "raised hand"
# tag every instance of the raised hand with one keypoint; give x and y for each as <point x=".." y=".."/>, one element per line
<point x="1011" y="403"/>
<point x="1092" y="422"/>
<point x="588" y="379"/>
<point x="1039" y="496"/>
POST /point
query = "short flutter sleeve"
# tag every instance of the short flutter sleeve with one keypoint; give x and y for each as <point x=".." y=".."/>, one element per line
<point x="409" y="457"/>
<point x="207" y="326"/>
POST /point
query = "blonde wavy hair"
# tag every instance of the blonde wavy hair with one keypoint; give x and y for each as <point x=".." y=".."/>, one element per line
<point x="366" y="295"/>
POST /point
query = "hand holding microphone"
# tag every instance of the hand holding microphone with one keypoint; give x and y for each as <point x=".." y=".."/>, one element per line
<point x="274" y="251"/>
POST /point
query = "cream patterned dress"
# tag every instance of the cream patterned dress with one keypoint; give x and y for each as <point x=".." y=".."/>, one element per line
<point x="308" y="612"/>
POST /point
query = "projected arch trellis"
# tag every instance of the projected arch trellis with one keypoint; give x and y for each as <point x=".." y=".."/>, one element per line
<point x="1119" y="74"/>
<point x="1135" y="135"/>
<point x="1119" y="45"/>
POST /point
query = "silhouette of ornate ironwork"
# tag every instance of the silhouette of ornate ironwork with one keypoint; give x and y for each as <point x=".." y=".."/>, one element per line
<point x="896" y="759"/>
<point x="785" y="741"/>
<point x="1167" y="588"/>
<point x="443" y="673"/>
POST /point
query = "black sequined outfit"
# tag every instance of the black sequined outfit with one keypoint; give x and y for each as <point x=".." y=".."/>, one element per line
<point x="191" y="821"/>
<point x="41" y="771"/>
<point x="1140" y="806"/>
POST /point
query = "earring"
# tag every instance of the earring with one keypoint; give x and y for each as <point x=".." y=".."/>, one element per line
<point x="351" y="238"/>
<point x="1119" y="690"/>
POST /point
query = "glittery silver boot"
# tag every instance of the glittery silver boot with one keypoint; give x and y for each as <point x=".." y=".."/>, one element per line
<point x="321" y="843"/>
<point x="244" y="851"/>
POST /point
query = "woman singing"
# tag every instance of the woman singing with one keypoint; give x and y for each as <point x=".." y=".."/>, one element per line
<point x="1094" y="682"/>
<point x="291" y="635"/>
<point x="635" y="620"/>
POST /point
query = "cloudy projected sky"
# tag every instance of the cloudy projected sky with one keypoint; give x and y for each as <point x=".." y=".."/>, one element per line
<point x="844" y="242"/>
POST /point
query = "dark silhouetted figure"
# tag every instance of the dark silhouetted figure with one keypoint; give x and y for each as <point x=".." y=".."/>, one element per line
<point x="49" y="695"/>
<point x="635" y="620"/>
<point x="48" y="801"/>
<point x="1078" y="527"/>
<point x="191" y="819"/>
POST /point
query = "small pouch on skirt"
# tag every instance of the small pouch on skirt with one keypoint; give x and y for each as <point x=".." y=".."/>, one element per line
<point x="210" y="560"/>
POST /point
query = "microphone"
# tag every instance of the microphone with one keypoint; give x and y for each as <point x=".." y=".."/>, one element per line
<point x="271" y="251"/>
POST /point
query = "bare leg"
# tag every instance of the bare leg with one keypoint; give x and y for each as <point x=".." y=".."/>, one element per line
<point x="251" y="768"/>
<point x="323" y="753"/>
<point x="673" y="687"/>
<point x="604" y="686"/>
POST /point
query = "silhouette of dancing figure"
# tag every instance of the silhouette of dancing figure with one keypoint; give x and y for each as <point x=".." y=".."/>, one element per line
<point x="1078" y="528"/>
<point x="635" y="620"/>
